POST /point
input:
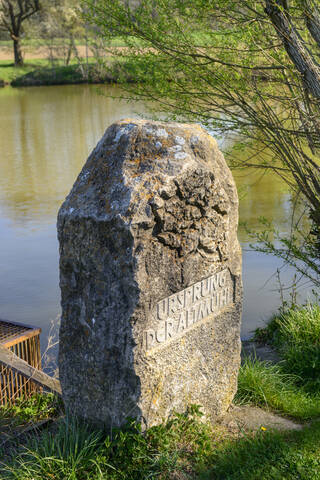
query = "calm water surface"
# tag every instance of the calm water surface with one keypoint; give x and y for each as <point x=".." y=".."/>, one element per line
<point x="46" y="134"/>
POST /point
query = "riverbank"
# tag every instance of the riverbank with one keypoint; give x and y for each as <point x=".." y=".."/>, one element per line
<point x="39" y="72"/>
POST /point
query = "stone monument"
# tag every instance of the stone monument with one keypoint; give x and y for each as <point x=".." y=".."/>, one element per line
<point x="150" y="275"/>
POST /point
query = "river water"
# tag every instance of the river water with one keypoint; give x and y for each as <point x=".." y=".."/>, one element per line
<point x="46" y="134"/>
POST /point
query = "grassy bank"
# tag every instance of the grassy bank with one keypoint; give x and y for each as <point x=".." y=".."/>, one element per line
<point x="293" y="385"/>
<point x="269" y="386"/>
<point x="295" y="334"/>
<point x="40" y="72"/>
<point x="185" y="447"/>
<point x="8" y="72"/>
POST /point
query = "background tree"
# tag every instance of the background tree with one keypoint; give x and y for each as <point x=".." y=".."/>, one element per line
<point x="12" y="15"/>
<point x="248" y="70"/>
<point x="58" y="26"/>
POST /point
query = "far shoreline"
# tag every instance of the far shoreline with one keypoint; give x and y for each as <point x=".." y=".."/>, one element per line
<point x="41" y="74"/>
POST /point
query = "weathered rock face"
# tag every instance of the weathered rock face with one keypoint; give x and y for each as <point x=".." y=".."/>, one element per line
<point x="150" y="275"/>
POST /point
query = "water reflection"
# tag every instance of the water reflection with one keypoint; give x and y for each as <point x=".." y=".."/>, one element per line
<point x="46" y="134"/>
<point x="262" y="195"/>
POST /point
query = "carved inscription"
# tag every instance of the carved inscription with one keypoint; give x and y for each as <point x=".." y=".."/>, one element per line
<point x="179" y="312"/>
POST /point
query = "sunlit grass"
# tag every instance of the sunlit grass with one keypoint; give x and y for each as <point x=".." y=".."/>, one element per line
<point x="37" y="407"/>
<point x="299" y="345"/>
<point x="267" y="385"/>
<point x="9" y="73"/>
<point x="36" y="42"/>
<point x="43" y="72"/>
<point x="296" y="335"/>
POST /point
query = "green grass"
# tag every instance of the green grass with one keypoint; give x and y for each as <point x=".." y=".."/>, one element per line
<point x="75" y="451"/>
<point x="41" y="72"/>
<point x="9" y="72"/>
<point x="27" y="42"/>
<point x="36" y="43"/>
<point x="296" y="335"/>
<point x="36" y="408"/>
<point x="269" y="386"/>
<point x="184" y="448"/>
<point x="23" y="415"/>
<point x="268" y="456"/>
<point x="299" y="345"/>
<point x="68" y="453"/>
<point x="291" y="387"/>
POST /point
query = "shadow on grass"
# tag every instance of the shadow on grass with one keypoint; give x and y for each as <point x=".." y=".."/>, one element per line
<point x="29" y="64"/>
<point x="268" y="455"/>
<point x="49" y="76"/>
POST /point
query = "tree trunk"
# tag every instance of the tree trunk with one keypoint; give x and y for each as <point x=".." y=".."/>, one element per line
<point x="294" y="45"/>
<point x="18" y="59"/>
<point x="70" y="47"/>
<point x="313" y="23"/>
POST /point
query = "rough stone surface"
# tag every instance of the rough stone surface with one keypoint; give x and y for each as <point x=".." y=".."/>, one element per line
<point x="150" y="275"/>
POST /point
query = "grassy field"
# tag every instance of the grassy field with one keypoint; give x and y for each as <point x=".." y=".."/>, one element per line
<point x="36" y="43"/>
<point x="269" y="386"/>
<point x="296" y="336"/>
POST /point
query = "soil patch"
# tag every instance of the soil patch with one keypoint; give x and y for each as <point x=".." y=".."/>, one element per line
<point x="245" y="417"/>
<point x="31" y="53"/>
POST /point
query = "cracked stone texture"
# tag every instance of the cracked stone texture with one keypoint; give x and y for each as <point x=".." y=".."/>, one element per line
<point x="153" y="211"/>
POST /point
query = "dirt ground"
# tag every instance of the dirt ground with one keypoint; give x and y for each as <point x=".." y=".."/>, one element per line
<point x="6" y="53"/>
<point x="248" y="418"/>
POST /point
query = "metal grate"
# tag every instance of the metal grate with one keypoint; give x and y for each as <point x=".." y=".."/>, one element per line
<point x="24" y="341"/>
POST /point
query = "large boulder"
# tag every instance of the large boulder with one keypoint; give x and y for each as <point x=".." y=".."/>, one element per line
<point x="150" y="276"/>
